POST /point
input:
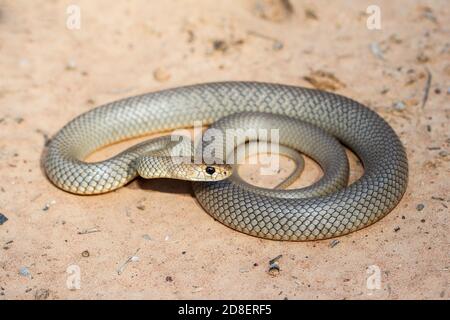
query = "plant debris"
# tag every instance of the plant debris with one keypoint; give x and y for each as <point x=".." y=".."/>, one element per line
<point x="427" y="13"/>
<point x="422" y="58"/>
<point x="273" y="10"/>
<point x="196" y="289"/>
<point x="311" y="14"/>
<point x="324" y="80"/>
<point x="274" y="267"/>
<point x="334" y="243"/>
<point x="87" y="231"/>
<point x="7" y="245"/>
<point x="426" y="90"/>
<point x="276" y="44"/>
<point x="274" y="260"/>
<point x="132" y="258"/>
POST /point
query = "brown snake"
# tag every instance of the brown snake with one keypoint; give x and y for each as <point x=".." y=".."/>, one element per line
<point x="331" y="213"/>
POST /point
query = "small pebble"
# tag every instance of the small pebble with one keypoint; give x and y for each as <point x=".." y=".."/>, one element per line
<point x="169" y="279"/>
<point x="420" y="207"/>
<point x="277" y="45"/>
<point x="274" y="269"/>
<point x="85" y="253"/>
<point x="146" y="237"/>
<point x="3" y="219"/>
<point x="220" y="45"/>
<point x="161" y="75"/>
<point x="71" y="65"/>
<point x="443" y="153"/>
<point x="399" y="106"/>
<point x="48" y="205"/>
<point x="423" y="220"/>
<point x="397" y="229"/>
<point x="376" y="50"/>
<point x="24" y="272"/>
<point x="422" y="58"/>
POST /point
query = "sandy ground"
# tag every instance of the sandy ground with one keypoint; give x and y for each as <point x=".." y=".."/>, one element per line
<point x="50" y="73"/>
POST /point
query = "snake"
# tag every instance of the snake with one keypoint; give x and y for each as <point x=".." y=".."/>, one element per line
<point x="334" y="209"/>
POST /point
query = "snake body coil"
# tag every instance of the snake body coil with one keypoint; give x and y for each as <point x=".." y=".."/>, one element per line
<point x="367" y="200"/>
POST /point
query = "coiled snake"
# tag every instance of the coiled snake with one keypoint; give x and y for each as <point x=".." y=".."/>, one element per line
<point x="283" y="215"/>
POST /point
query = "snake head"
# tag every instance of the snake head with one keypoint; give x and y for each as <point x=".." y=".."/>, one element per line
<point x="210" y="172"/>
<point x="150" y="167"/>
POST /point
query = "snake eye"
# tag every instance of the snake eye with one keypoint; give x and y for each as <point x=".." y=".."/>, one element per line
<point x="210" y="170"/>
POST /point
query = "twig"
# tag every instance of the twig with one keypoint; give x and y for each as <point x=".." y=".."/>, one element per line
<point x="130" y="259"/>
<point x="91" y="230"/>
<point x="334" y="243"/>
<point x="427" y="87"/>
<point x="277" y="44"/>
<point x="275" y="259"/>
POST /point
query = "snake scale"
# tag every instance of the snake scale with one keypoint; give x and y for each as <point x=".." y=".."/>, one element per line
<point x="334" y="213"/>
